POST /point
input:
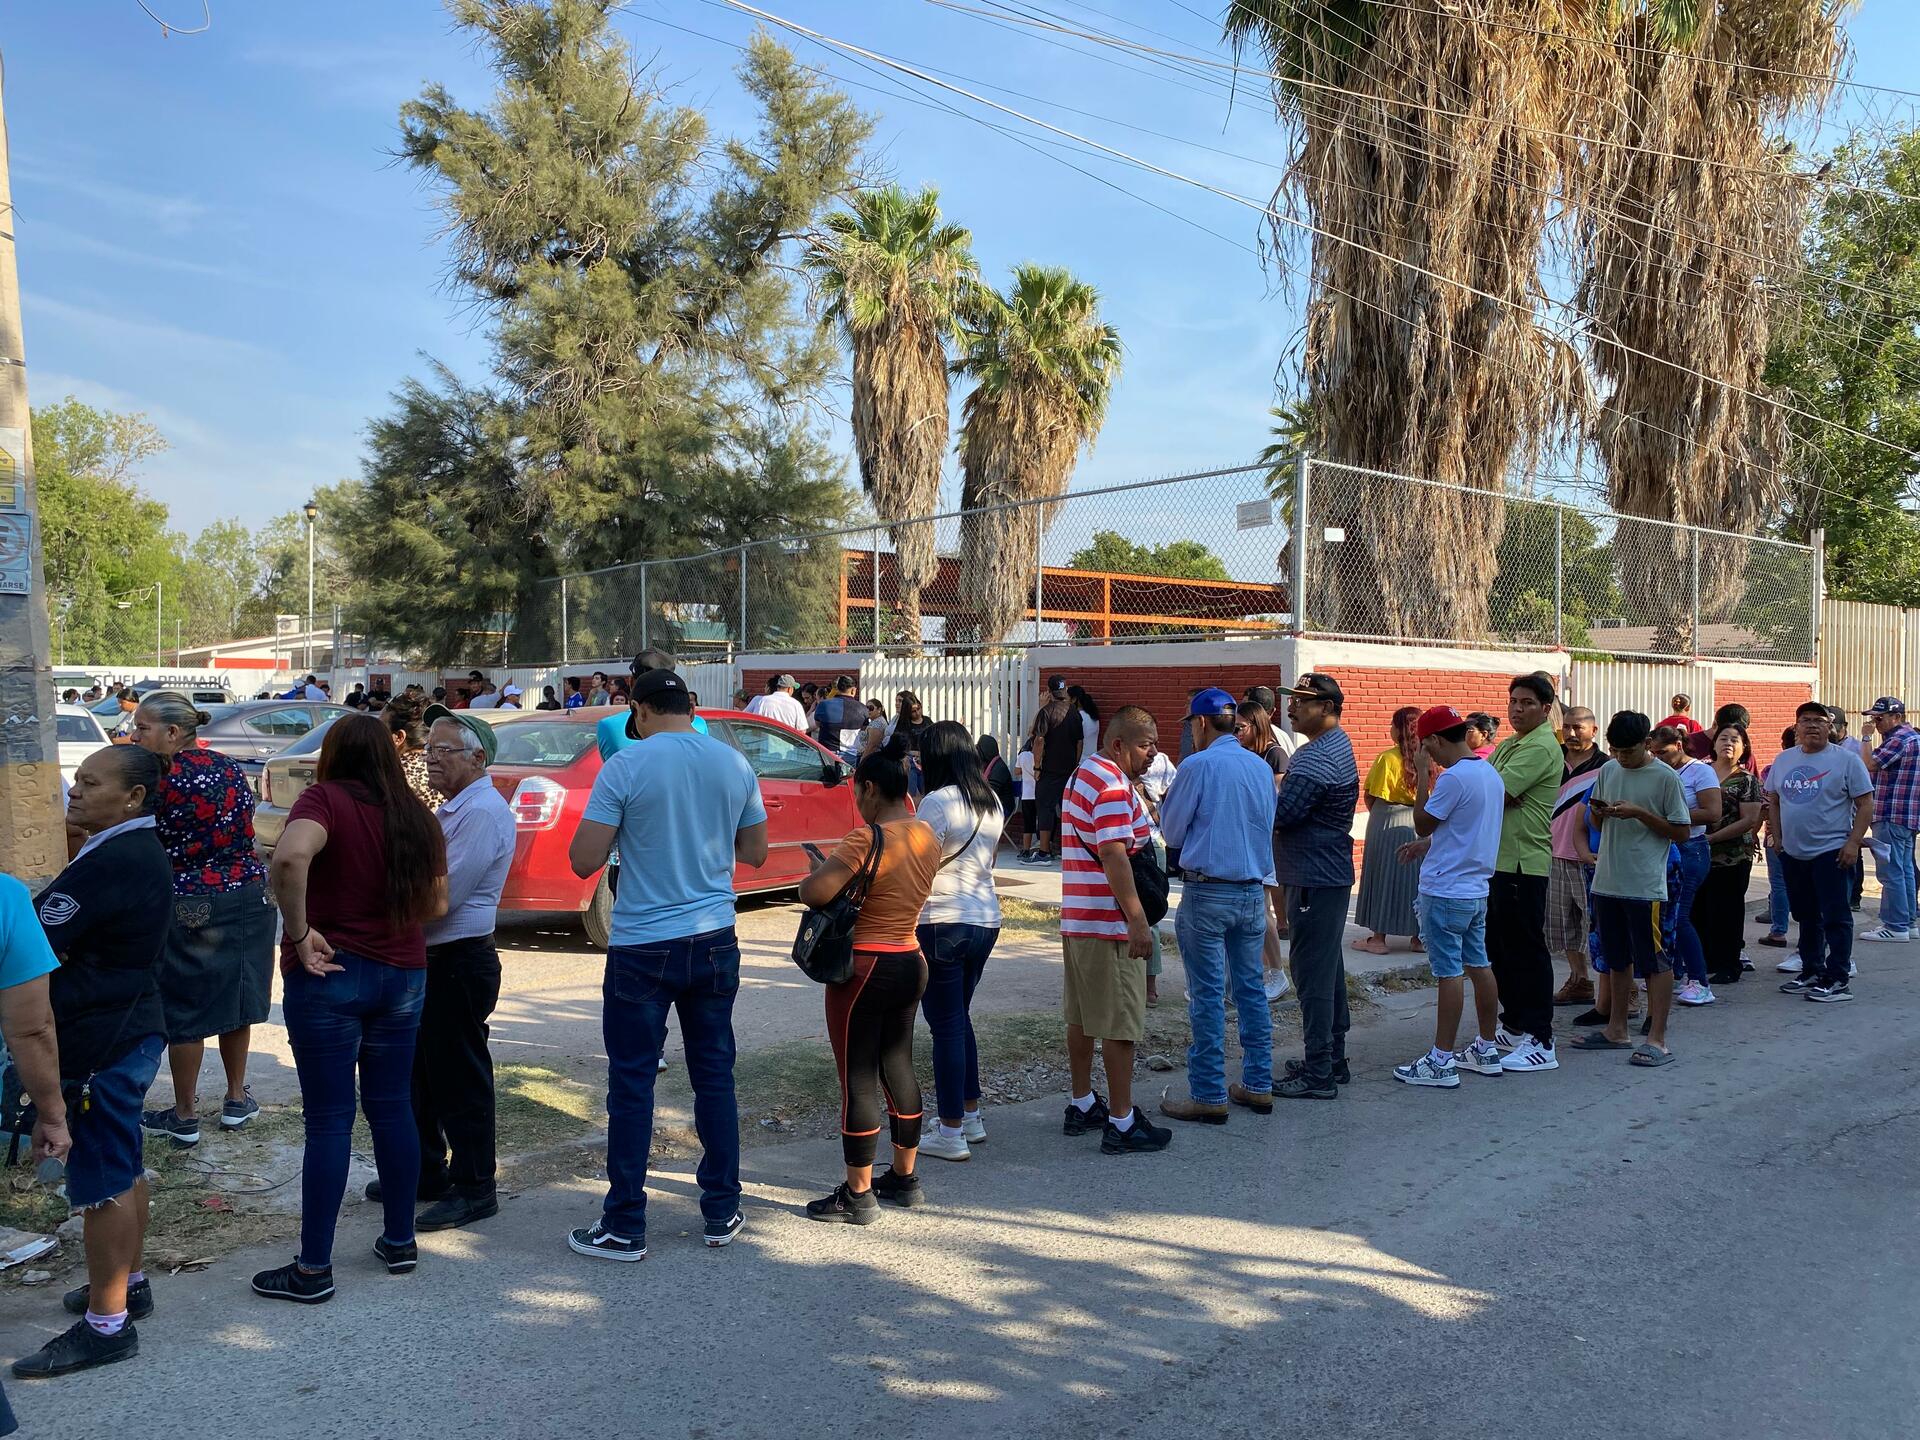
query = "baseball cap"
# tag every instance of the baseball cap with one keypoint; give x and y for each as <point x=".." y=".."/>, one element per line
<point x="1056" y="683"/>
<point x="1886" y="705"/>
<point x="1212" y="701"/>
<point x="1318" y="687"/>
<point x="489" y="742"/>
<point x="653" y="683"/>
<point x="1435" y="719"/>
<point x="1263" y="696"/>
<point x="509" y="689"/>
<point x="781" y="682"/>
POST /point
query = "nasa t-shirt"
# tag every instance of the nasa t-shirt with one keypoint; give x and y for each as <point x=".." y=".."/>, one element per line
<point x="1817" y="792"/>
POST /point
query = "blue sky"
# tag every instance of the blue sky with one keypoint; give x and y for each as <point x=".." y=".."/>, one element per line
<point x="211" y="230"/>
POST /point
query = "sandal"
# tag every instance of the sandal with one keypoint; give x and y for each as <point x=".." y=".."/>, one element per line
<point x="1597" y="1040"/>
<point x="1370" y="946"/>
<point x="1649" y="1056"/>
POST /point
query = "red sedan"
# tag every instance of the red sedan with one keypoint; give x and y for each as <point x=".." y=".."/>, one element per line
<point x="546" y="767"/>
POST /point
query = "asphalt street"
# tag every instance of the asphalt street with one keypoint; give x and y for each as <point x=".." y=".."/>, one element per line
<point x="1721" y="1248"/>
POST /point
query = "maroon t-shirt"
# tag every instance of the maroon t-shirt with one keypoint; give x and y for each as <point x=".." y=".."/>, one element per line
<point x="347" y="886"/>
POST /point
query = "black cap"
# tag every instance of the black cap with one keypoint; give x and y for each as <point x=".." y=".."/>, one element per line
<point x="1262" y="695"/>
<point x="650" y="683"/>
<point x="1318" y="687"/>
<point x="1056" y="683"/>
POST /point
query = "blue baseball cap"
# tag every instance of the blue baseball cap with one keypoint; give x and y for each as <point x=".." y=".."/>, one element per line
<point x="1886" y="705"/>
<point x="1212" y="701"/>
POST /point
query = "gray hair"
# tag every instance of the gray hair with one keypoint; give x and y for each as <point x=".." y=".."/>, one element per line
<point x="469" y="741"/>
<point x="172" y="708"/>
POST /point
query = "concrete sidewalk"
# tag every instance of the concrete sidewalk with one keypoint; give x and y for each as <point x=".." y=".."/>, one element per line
<point x="1720" y="1248"/>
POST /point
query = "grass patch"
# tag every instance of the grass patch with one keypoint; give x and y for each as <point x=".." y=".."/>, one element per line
<point x="1023" y="917"/>
<point x="536" y="1108"/>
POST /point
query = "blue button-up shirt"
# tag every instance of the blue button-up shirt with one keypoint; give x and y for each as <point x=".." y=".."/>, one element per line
<point x="1219" y="813"/>
<point x="479" y="830"/>
<point x="1313" y="817"/>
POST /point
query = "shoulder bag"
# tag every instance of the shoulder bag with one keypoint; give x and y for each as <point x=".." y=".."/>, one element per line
<point x="1149" y="883"/>
<point x="823" y="949"/>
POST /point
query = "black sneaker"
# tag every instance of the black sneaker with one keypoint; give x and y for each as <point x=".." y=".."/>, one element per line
<point x="1589" y="1017"/>
<point x="139" y="1300"/>
<point x="236" y="1113"/>
<point x="1798" y="985"/>
<point x="426" y="1193"/>
<point x="1305" y="1087"/>
<point x="1142" y="1137"/>
<point x="1830" y="992"/>
<point x="898" y="1189"/>
<point x="843" y="1207"/>
<point x="290" y="1282"/>
<point x="399" y="1259"/>
<point x="80" y="1347"/>
<point x="721" y="1232"/>
<point x="598" y="1241"/>
<point x="457" y="1210"/>
<point x="164" y="1122"/>
<point x="1342" y="1073"/>
<point x="1085" y="1122"/>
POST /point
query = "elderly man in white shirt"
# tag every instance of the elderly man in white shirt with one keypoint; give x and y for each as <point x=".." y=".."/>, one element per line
<point x="780" y="705"/>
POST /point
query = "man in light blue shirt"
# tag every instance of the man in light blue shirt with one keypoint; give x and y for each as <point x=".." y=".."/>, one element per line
<point x="1219" y="815"/>
<point x="685" y="808"/>
<point x="453" y="1106"/>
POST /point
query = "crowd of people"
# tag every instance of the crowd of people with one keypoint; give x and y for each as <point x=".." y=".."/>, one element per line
<point x="1489" y="853"/>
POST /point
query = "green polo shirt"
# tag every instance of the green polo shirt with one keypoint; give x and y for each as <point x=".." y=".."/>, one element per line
<point x="1530" y="766"/>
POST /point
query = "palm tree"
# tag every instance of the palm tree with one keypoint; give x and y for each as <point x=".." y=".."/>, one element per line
<point x="1043" y="367"/>
<point x="1425" y="146"/>
<point x="1685" y="222"/>
<point x="893" y="276"/>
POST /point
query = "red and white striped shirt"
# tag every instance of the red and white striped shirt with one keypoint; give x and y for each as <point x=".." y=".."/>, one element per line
<point x="1100" y="806"/>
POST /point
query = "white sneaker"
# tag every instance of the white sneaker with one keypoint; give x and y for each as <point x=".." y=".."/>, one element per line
<point x="1693" y="993"/>
<point x="1885" y="932"/>
<point x="1426" y="1071"/>
<point x="1504" y="1039"/>
<point x="972" y="1128"/>
<point x="942" y="1146"/>
<point x="1529" y="1055"/>
<point x="1746" y="962"/>
<point x="1479" y="1057"/>
<point x="1276" y="984"/>
<point x="1707" y="997"/>
<point x="1789" y="966"/>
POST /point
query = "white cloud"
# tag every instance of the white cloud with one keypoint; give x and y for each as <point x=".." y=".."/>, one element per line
<point x="174" y="214"/>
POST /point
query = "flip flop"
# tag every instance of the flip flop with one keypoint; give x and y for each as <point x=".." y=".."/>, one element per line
<point x="1595" y="1040"/>
<point x="1650" y="1056"/>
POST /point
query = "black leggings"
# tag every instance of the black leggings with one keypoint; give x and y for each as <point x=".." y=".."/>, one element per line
<point x="870" y="1023"/>
<point x="1720" y="915"/>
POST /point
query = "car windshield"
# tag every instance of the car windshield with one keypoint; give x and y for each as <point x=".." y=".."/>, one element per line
<point x="76" y="727"/>
<point x="310" y="743"/>
<point x="549" y="743"/>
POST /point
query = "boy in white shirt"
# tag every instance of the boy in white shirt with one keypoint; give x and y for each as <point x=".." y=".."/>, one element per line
<point x="1457" y="815"/>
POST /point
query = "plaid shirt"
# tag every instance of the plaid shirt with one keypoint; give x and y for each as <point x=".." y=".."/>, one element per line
<point x="1896" y="778"/>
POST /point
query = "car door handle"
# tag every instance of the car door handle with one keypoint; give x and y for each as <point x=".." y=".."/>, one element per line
<point x="776" y="804"/>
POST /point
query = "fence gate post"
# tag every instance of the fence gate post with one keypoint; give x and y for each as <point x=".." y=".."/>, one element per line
<point x="1559" y="577"/>
<point x="743" y="597"/>
<point x="563" y="620"/>
<point x="1297" y="581"/>
<point x="873" y="549"/>
<point x="1819" y="595"/>
<point x="644" y="642"/>
<point x="1694" y="642"/>
<point x="1039" y="570"/>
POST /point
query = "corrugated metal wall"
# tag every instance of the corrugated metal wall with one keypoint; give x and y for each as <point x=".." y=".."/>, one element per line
<point x="984" y="693"/>
<point x="1606" y="687"/>
<point x="1866" y="651"/>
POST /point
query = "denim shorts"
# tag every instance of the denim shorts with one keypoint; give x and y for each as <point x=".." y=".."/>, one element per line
<point x="1455" y="933"/>
<point x="106" y="1158"/>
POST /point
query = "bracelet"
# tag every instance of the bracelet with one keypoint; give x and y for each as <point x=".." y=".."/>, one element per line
<point x="303" y="937"/>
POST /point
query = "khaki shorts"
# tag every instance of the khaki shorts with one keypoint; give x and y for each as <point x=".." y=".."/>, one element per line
<point x="1567" y="918"/>
<point x="1106" y="989"/>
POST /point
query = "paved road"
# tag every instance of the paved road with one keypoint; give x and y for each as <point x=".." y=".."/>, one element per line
<point x="1722" y="1248"/>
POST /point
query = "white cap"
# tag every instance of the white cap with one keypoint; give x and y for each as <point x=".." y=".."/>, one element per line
<point x="509" y="689"/>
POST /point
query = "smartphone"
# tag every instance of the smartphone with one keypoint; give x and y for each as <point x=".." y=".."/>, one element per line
<point x="814" y="853"/>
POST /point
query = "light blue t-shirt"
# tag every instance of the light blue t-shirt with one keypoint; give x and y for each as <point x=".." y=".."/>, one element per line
<point x="1469" y="800"/>
<point x="677" y="801"/>
<point x="24" y="952"/>
<point x="1817" y="793"/>
<point x="610" y="734"/>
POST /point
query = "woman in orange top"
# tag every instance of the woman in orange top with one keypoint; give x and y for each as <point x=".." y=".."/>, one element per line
<point x="870" y="1017"/>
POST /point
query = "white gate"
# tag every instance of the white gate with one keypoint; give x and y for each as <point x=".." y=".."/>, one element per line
<point x="1606" y="686"/>
<point x="982" y="692"/>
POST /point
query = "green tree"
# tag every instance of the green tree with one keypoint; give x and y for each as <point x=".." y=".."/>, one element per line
<point x="1847" y="349"/>
<point x="1520" y="606"/>
<point x="221" y="576"/>
<point x="655" y="371"/>
<point x="1111" y="552"/>
<point x="894" y="277"/>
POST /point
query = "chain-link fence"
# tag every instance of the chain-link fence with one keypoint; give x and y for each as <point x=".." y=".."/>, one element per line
<point x="1202" y="556"/>
<point x="95" y="628"/>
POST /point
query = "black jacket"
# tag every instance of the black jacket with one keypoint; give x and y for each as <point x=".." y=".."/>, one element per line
<point x="106" y="917"/>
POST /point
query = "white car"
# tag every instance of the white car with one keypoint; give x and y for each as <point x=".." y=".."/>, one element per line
<point x="79" y="735"/>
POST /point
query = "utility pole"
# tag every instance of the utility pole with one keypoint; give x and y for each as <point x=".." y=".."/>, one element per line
<point x="312" y="512"/>
<point x="32" y="835"/>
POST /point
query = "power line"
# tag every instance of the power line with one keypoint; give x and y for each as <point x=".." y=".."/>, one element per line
<point x="168" y="28"/>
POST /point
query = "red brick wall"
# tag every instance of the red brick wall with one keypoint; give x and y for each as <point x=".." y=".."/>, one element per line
<point x="1772" y="707"/>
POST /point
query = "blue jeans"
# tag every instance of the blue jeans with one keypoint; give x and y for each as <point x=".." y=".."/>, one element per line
<point x="956" y="957"/>
<point x="1818" y="886"/>
<point x="1223" y="931"/>
<point x="1687" y="866"/>
<point x="368" y="1013"/>
<point x="699" y="975"/>
<point x="1896" y="874"/>
<point x="1454" y="932"/>
<point x="1779" y="913"/>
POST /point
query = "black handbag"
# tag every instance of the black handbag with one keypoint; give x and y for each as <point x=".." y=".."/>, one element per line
<point x="1149" y="883"/>
<point x="823" y="949"/>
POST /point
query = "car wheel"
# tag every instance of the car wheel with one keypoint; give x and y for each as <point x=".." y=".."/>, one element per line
<point x="598" y="916"/>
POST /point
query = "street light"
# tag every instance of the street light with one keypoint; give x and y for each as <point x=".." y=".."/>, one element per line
<point x="312" y="512"/>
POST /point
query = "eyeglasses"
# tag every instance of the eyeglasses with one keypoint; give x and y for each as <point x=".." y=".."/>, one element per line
<point x="444" y="751"/>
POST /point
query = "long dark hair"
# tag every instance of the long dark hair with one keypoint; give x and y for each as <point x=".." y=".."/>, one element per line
<point x="948" y="757"/>
<point x="404" y="717"/>
<point x="1255" y="714"/>
<point x="358" y="751"/>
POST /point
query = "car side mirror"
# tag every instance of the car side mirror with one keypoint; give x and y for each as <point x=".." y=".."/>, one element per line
<point x="833" y="773"/>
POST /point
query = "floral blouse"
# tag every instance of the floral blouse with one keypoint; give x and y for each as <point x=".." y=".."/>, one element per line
<point x="206" y="824"/>
<point x="1741" y="787"/>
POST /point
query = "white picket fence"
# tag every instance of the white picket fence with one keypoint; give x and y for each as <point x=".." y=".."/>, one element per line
<point x="987" y="694"/>
<point x="1606" y="687"/>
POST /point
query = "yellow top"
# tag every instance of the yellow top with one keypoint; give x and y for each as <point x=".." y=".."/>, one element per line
<point x="1389" y="779"/>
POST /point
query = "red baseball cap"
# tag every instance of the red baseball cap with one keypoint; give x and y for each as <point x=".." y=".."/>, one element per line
<point x="1436" y="719"/>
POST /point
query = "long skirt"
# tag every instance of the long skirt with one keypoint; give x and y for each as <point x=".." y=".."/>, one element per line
<point x="1387" y="886"/>
<point x="216" y="974"/>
